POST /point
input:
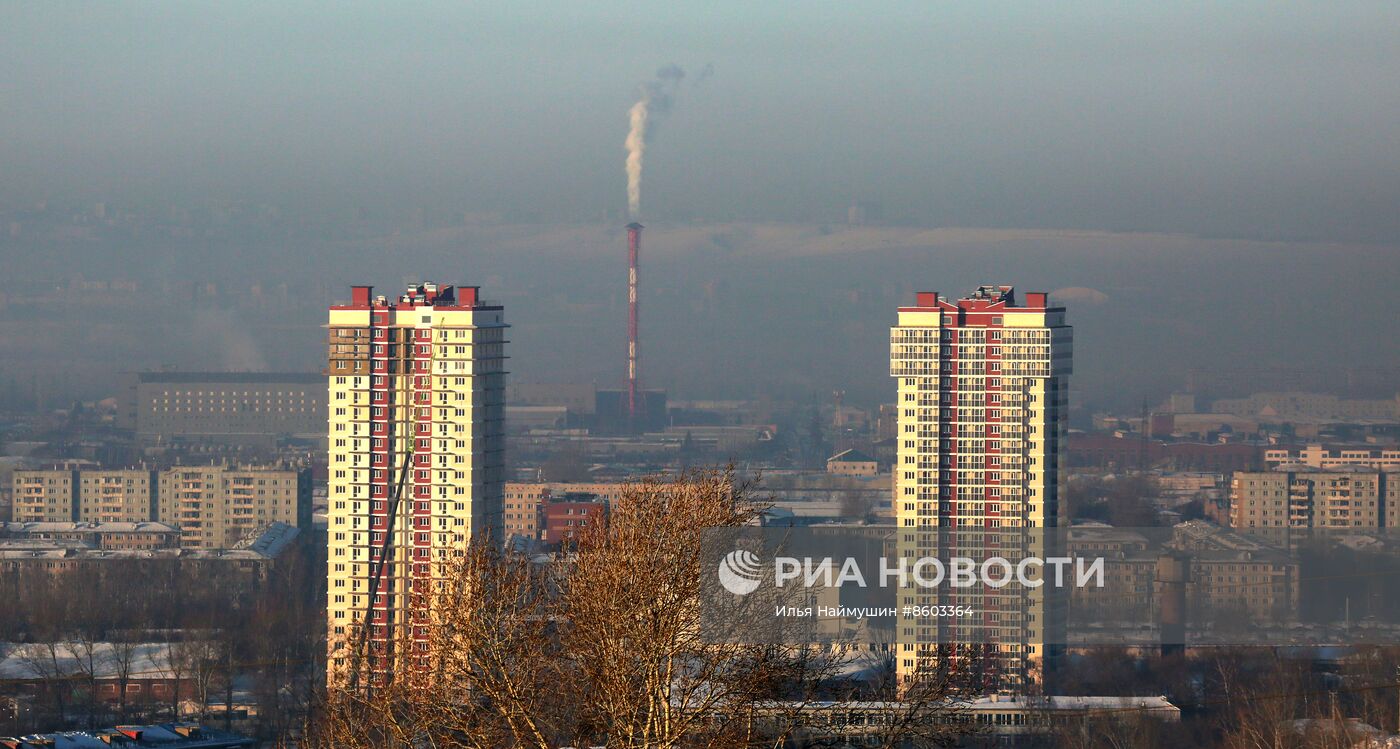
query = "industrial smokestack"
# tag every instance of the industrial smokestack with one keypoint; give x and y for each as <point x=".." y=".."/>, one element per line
<point x="634" y="246"/>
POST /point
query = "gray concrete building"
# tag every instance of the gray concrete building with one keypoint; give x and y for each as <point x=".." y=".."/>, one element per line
<point x="256" y="408"/>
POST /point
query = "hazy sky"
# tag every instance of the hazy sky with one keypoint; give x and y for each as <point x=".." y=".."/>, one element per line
<point x="1226" y="118"/>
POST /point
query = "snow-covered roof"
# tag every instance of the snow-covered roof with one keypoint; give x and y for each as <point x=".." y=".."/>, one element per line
<point x="28" y="661"/>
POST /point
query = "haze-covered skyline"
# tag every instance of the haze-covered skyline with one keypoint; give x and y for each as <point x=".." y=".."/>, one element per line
<point x="739" y="311"/>
<point x="1218" y="181"/>
<point x="1237" y="119"/>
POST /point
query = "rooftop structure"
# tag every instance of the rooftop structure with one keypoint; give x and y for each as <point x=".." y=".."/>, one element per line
<point x="272" y="541"/>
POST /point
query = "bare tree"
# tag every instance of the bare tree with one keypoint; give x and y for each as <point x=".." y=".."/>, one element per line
<point x="48" y="662"/>
<point x="1123" y="728"/>
<point x="602" y="647"/>
<point x="1261" y="711"/>
<point x="203" y="659"/>
<point x="87" y="653"/>
<point x="177" y="660"/>
<point x="121" y="659"/>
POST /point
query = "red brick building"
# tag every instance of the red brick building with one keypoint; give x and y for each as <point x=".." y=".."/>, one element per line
<point x="565" y="517"/>
<point x="1133" y="451"/>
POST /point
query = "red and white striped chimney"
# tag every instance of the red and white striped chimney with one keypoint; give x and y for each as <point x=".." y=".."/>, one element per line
<point x="634" y="246"/>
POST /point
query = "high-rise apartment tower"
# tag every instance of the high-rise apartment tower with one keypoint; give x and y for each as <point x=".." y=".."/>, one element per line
<point x="982" y="386"/>
<point x="417" y="391"/>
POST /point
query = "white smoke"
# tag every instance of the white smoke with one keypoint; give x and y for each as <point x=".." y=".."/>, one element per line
<point x="636" y="146"/>
<point x="223" y="334"/>
<point x="655" y="100"/>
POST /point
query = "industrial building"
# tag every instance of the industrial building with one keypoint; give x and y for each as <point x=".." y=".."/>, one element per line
<point x="852" y="463"/>
<point x="624" y="412"/>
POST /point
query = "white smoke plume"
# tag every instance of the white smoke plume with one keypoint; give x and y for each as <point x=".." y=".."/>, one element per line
<point x="655" y="100"/>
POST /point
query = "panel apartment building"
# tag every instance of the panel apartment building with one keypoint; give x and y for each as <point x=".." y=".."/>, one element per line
<point x="116" y="496"/>
<point x="61" y="495"/>
<point x="416" y="382"/>
<point x="1317" y="498"/>
<point x="217" y="507"/>
<point x="214" y="507"/>
<point x="43" y="496"/>
<point x="982" y="393"/>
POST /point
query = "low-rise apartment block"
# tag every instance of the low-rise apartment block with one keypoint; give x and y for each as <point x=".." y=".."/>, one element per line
<point x="211" y="506"/>
<point x="142" y="536"/>
<point x="251" y="560"/>
<point x="1227" y="571"/>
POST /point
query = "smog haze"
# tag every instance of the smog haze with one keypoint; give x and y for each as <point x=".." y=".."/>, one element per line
<point x="222" y="172"/>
